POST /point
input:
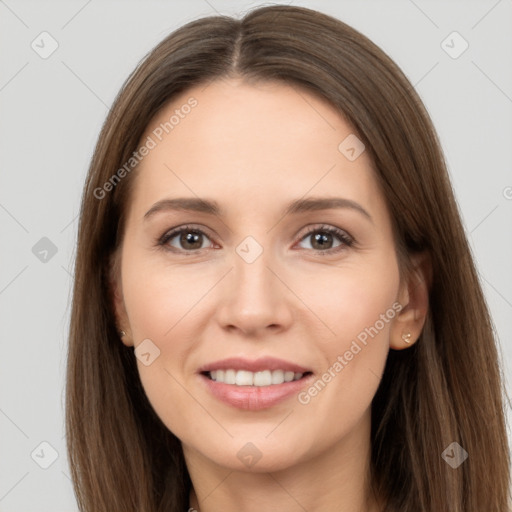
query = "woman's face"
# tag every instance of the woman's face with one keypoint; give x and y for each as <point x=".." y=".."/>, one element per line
<point x="256" y="292"/>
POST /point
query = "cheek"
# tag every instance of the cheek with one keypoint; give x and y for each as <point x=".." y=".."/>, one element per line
<point x="350" y="299"/>
<point x="164" y="305"/>
<point x="160" y="299"/>
<point x="356" y="304"/>
<point x="365" y="307"/>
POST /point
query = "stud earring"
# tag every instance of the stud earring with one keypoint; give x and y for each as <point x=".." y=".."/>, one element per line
<point x="122" y="334"/>
<point x="406" y="337"/>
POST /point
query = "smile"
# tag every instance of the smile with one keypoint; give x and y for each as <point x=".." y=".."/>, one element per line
<point x="260" y="379"/>
<point x="254" y="384"/>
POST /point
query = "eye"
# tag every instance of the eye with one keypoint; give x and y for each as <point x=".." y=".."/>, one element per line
<point x="323" y="239"/>
<point x="188" y="239"/>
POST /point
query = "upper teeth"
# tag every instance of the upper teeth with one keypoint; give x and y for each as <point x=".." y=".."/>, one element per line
<point x="246" y="378"/>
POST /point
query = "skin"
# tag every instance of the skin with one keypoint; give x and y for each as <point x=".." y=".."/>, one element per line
<point x="253" y="148"/>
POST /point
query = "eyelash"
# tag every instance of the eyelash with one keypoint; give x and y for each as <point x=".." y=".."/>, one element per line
<point x="346" y="240"/>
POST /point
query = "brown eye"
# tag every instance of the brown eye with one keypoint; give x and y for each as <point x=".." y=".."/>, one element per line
<point x="323" y="239"/>
<point x="191" y="240"/>
<point x="184" y="239"/>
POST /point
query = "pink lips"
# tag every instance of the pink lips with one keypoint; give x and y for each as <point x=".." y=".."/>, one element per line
<point x="258" y="365"/>
<point x="254" y="397"/>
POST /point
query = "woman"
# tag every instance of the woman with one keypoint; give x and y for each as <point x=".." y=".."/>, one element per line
<point x="323" y="343"/>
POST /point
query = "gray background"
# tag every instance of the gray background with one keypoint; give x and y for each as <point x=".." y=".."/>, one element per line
<point x="51" y="113"/>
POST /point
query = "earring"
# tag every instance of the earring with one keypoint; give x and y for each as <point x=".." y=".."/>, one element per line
<point x="122" y="334"/>
<point x="406" y="337"/>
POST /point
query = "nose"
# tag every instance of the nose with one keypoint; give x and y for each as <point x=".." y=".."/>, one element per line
<point x="255" y="299"/>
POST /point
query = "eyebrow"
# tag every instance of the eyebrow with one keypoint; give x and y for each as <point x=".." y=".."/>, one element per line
<point x="192" y="204"/>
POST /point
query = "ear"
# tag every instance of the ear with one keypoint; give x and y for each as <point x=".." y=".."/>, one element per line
<point x="116" y="297"/>
<point x="414" y="299"/>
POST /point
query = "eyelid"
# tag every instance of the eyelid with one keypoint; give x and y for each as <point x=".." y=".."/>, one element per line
<point x="347" y="240"/>
<point x="325" y="227"/>
<point x="173" y="232"/>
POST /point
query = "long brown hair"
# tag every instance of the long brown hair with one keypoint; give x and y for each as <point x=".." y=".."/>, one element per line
<point x="445" y="388"/>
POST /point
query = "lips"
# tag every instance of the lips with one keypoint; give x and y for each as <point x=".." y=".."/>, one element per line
<point x="245" y="384"/>
<point x="257" y="365"/>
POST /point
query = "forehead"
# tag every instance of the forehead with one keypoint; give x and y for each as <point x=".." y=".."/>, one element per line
<point x="251" y="144"/>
